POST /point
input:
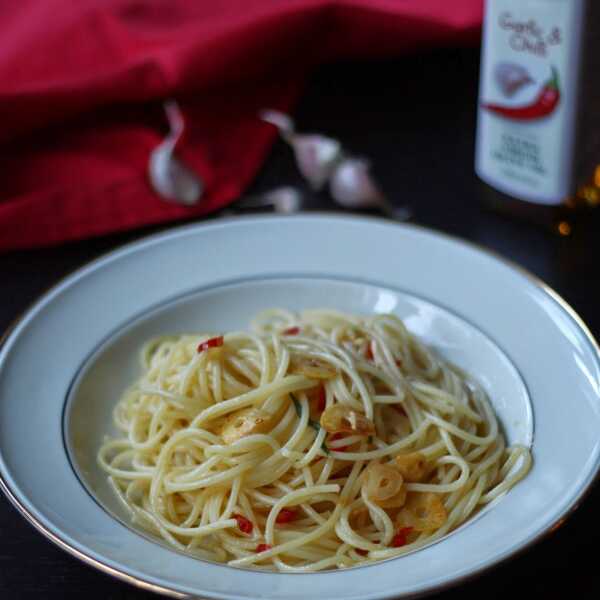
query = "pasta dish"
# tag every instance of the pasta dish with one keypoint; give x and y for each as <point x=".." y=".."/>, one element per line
<point x="318" y="440"/>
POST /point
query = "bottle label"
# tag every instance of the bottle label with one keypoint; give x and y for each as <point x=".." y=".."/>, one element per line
<point x="527" y="100"/>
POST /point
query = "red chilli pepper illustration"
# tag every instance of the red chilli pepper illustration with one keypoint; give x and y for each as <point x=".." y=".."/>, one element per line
<point x="544" y="104"/>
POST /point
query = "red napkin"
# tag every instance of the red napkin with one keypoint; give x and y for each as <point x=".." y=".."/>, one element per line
<point x="81" y="87"/>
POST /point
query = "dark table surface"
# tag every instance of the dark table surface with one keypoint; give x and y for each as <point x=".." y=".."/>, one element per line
<point x="415" y="118"/>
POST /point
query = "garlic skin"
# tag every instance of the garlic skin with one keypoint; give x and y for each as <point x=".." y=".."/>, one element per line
<point x="511" y="77"/>
<point x="170" y="178"/>
<point x="316" y="155"/>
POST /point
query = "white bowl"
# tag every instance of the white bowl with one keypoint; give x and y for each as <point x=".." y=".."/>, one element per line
<point x="64" y="365"/>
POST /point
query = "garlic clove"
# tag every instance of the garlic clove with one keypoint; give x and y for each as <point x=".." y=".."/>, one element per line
<point x="352" y="186"/>
<point x="316" y="155"/>
<point x="170" y="177"/>
<point x="174" y="118"/>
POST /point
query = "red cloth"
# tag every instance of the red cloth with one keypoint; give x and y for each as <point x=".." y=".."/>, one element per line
<point x="81" y="85"/>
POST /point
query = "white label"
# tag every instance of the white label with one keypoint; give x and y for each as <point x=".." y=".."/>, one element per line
<point x="527" y="99"/>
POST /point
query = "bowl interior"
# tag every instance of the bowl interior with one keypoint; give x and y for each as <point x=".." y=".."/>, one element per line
<point x="114" y="364"/>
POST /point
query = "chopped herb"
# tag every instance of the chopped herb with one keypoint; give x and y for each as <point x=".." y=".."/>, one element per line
<point x="297" y="405"/>
<point x="311" y="423"/>
<point x="314" y="425"/>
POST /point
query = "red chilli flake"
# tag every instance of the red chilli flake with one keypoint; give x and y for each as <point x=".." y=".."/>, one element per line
<point x="286" y="515"/>
<point x="338" y="436"/>
<point x="263" y="547"/>
<point x="291" y="331"/>
<point x="211" y="343"/>
<point x="321" y="398"/>
<point x="399" y="539"/>
<point x="369" y="352"/>
<point x="361" y="551"/>
<point x="244" y="525"/>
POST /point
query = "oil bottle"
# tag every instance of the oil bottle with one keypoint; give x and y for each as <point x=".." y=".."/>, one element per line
<point x="538" y="120"/>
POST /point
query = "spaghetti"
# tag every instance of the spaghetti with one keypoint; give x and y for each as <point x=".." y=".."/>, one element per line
<point x="318" y="441"/>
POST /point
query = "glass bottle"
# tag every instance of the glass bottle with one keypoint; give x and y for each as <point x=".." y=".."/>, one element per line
<point x="538" y="122"/>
